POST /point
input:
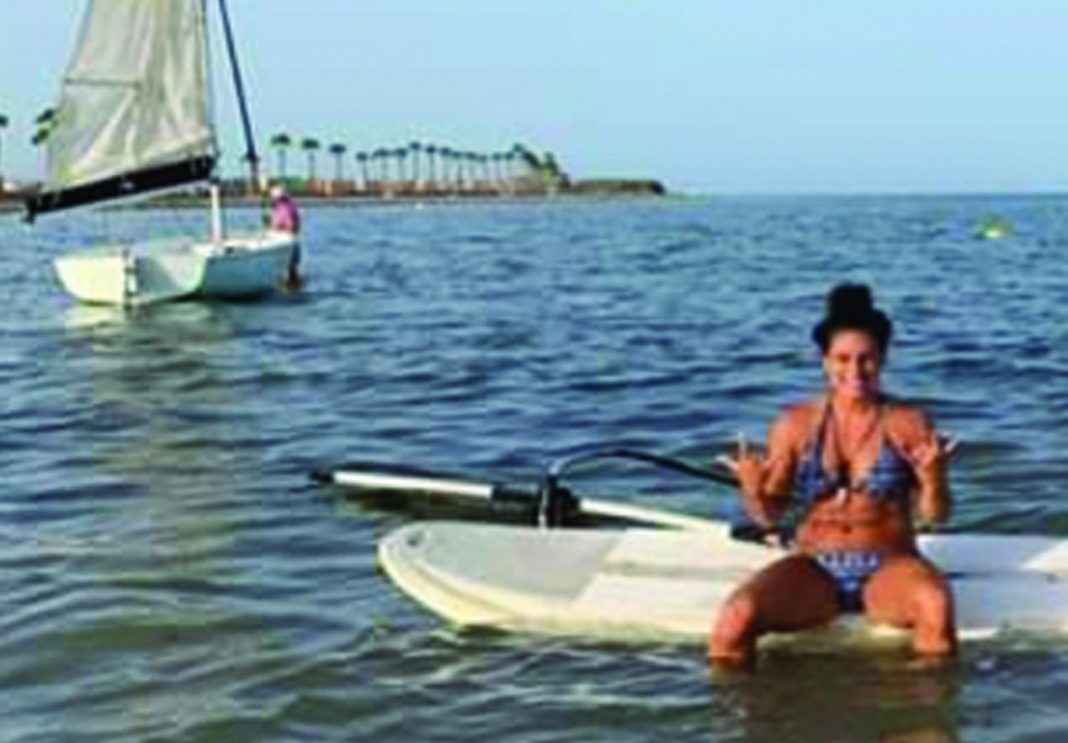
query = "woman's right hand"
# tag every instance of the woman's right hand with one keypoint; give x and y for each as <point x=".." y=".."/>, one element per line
<point x="749" y="466"/>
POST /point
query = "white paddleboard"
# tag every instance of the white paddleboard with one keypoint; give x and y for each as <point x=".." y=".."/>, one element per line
<point x="669" y="583"/>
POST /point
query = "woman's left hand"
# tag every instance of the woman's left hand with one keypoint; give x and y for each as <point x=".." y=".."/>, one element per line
<point x="930" y="457"/>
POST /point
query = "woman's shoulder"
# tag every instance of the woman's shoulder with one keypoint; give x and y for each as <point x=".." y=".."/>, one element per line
<point x="799" y="419"/>
<point x="908" y="420"/>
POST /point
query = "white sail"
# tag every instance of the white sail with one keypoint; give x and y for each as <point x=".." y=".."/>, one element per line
<point x="134" y="100"/>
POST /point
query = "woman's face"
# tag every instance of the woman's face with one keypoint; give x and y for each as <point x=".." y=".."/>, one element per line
<point x="853" y="365"/>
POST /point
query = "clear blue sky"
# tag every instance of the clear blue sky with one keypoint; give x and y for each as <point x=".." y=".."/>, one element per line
<point x="707" y="95"/>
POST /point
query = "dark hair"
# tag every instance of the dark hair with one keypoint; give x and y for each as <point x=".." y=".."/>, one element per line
<point x="850" y="307"/>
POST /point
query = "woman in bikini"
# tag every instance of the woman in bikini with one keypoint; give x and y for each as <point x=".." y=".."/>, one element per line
<point x="864" y="467"/>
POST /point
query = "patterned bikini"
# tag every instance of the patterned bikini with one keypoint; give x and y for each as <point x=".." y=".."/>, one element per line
<point x="891" y="479"/>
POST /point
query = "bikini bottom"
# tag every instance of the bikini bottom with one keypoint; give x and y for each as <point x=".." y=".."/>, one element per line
<point x="850" y="570"/>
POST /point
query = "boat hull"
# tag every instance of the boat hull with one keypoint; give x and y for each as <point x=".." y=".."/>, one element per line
<point x="239" y="267"/>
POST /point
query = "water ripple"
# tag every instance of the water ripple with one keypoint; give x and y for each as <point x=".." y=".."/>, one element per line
<point x="170" y="574"/>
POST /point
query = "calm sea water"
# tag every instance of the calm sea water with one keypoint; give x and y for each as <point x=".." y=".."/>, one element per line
<point x="168" y="572"/>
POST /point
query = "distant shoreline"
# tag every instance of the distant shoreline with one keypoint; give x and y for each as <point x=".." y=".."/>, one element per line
<point x="324" y="195"/>
<point x="329" y="194"/>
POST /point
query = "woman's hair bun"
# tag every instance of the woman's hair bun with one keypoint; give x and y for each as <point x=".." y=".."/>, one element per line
<point x="849" y="300"/>
<point x="850" y="307"/>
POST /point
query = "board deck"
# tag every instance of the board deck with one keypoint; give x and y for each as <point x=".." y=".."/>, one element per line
<point x="669" y="583"/>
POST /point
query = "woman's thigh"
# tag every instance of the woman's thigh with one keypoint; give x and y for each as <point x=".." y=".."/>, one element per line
<point x="895" y="593"/>
<point x="792" y="593"/>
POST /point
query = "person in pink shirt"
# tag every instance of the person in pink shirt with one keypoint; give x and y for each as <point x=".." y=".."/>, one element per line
<point x="285" y="217"/>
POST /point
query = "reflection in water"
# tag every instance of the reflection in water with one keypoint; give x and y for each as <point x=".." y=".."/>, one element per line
<point x="161" y="419"/>
<point x="152" y="368"/>
<point x="134" y="320"/>
<point x="156" y="412"/>
<point x="163" y="414"/>
<point x="845" y="696"/>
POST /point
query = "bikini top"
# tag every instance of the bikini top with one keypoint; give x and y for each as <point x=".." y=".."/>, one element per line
<point x="890" y="478"/>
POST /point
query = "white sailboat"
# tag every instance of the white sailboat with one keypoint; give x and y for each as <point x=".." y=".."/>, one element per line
<point x="134" y="117"/>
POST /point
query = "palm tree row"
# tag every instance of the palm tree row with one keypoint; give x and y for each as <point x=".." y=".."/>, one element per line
<point x="417" y="167"/>
<point x="420" y="168"/>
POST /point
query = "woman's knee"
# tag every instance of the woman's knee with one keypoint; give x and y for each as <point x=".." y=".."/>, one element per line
<point x="934" y="628"/>
<point x="737" y="620"/>
<point x="933" y="604"/>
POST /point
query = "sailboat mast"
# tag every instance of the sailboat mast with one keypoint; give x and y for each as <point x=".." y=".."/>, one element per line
<point x="250" y="142"/>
